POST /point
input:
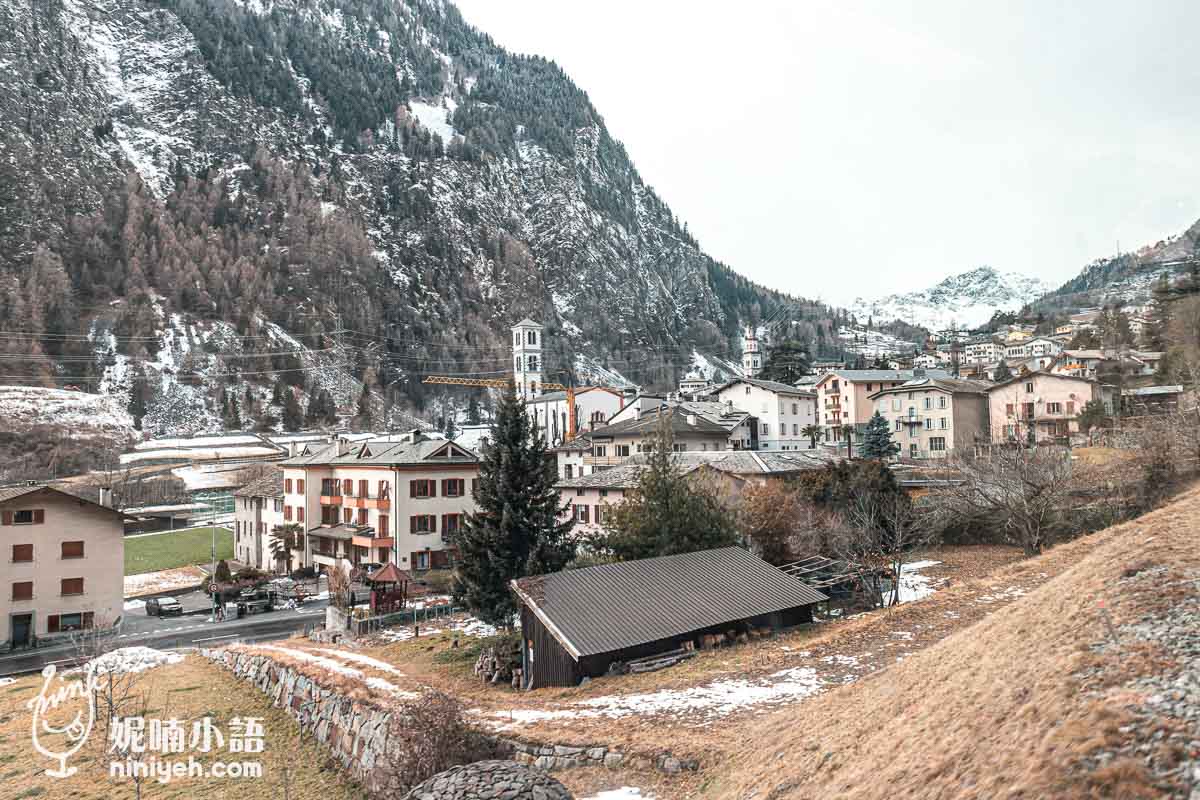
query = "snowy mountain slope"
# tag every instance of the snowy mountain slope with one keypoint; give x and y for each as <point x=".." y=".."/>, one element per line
<point x="303" y="161"/>
<point x="967" y="300"/>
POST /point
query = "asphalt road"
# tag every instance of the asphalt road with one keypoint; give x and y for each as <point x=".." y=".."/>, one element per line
<point x="170" y="633"/>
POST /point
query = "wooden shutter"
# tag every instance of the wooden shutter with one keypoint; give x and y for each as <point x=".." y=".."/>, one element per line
<point x="287" y="486"/>
<point x="72" y="549"/>
<point x="52" y="623"/>
<point x="412" y="524"/>
<point x="412" y="489"/>
<point x="6" y="517"/>
<point x="347" y="487"/>
<point x="363" y="491"/>
<point x="299" y="513"/>
<point x="39" y="516"/>
<point x="72" y="586"/>
<point x="22" y="552"/>
<point x="22" y="590"/>
<point x="300" y="485"/>
<point x="383" y="526"/>
<point x="432" y="488"/>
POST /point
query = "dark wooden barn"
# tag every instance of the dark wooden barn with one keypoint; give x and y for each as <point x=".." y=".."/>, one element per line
<point x="578" y="622"/>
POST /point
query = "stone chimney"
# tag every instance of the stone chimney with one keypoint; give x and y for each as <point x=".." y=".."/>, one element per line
<point x="343" y="446"/>
<point x="415" y="435"/>
<point x="106" y="496"/>
<point x="691" y="420"/>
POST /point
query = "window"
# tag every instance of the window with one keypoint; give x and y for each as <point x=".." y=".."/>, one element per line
<point x="533" y="363"/>
<point x="454" y="487"/>
<point x="599" y="514"/>
<point x="795" y="429"/>
<point x="329" y="515"/>
<point x="348" y="487"/>
<point x="363" y="491"/>
<point x="25" y="516"/>
<point x="347" y="515"/>
<point x="62" y="623"/>
<point x="299" y="513"/>
<point x="287" y="513"/>
<point x="385" y="490"/>
<point x="603" y="492"/>
<point x="896" y="403"/>
<point x="422" y="488"/>
<point x="942" y="401"/>
<point x="1008" y="409"/>
<point x="581" y="514"/>
<point x="287" y="485"/>
<point x="22" y="553"/>
<point x="748" y="389"/>
<point x="944" y="423"/>
<point x="1029" y="388"/>
<point x="765" y="429"/>
<point x="568" y="470"/>
<point x="1053" y="408"/>
<point x="362" y="516"/>
<point x="420" y="560"/>
<point x="72" y="550"/>
<point x="516" y="337"/>
<point x="70" y="586"/>
<point x="579" y="492"/>
<point x="897" y="424"/>
<point x="795" y="408"/>
<point x="278" y="505"/>
<point x="599" y="450"/>
<point x="871" y="387"/>
<point x="928" y="402"/>
<point x="451" y="523"/>
<point x="1028" y="410"/>
<point x="929" y="423"/>
<point x="937" y="444"/>
<point x="531" y="337"/>
<point x="623" y="450"/>
<point x="422" y="523"/>
<point x="22" y="590"/>
<point x="300" y="485"/>
<point x="679" y="447"/>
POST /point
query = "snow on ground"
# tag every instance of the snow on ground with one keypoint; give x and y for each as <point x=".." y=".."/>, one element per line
<point x="913" y="585"/>
<point x="624" y="793"/>
<point x="359" y="658"/>
<point x="468" y="626"/>
<point x="134" y="605"/>
<point x="7" y="681"/>
<point x="1009" y="593"/>
<point x="35" y="405"/>
<point x="132" y="659"/>
<point x="435" y="118"/>
<point x="335" y="666"/>
<point x="709" y="702"/>
<point x="162" y="581"/>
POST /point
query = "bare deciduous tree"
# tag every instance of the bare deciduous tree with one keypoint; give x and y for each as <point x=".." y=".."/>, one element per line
<point x="1023" y="489"/>
<point x="425" y="736"/>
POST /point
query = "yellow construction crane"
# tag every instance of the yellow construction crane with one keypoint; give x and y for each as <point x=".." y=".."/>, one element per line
<point x="502" y="383"/>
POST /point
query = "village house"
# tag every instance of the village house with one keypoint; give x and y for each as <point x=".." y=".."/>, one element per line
<point x="1078" y="363"/>
<point x="380" y="502"/>
<point x="257" y="514"/>
<point x="1043" y="406"/>
<point x="843" y="398"/>
<point x="782" y="411"/>
<point x="571" y="456"/>
<point x="612" y="444"/>
<point x="984" y="350"/>
<point x="64" y="564"/>
<point x="933" y="417"/>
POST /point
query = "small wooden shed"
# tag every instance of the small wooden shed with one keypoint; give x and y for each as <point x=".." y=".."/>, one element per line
<point x="576" y="623"/>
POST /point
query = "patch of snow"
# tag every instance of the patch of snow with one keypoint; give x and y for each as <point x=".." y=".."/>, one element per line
<point x="337" y="667"/>
<point x="80" y="412"/>
<point x="132" y="659"/>
<point x="435" y="118"/>
<point x="1009" y="593"/>
<point x="7" y="681"/>
<point x="913" y="585"/>
<point x="624" y="793"/>
<point x="473" y="627"/>
<point x="134" y="605"/>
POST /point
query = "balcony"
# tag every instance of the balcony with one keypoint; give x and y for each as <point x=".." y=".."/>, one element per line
<point x="365" y="501"/>
<point x="331" y="499"/>
<point x="373" y="541"/>
<point x="604" y="461"/>
<point x="911" y="419"/>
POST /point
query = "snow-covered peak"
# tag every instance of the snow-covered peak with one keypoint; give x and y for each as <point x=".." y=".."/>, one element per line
<point x="967" y="300"/>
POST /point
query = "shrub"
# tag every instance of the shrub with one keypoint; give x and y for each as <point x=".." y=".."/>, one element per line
<point x="426" y="736"/>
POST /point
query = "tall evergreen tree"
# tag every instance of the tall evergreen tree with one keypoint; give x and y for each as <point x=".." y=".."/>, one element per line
<point x="517" y="530"/>
<point x="1002" y="372"/>
<point x="473" y="411"/>
<point x="293" y="417"/>
<point x="877" y="439"/>
<point x="667" y="514"/>
<point x="787" y="363"/>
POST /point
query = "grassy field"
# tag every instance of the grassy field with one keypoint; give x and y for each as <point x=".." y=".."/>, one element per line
<point x="180" y="549"/>
<point x="292" y="766"/>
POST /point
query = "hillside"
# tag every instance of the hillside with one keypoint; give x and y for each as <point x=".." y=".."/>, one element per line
<point x="364" y="191"/>
<point x="1128" y="278"/>
<point x="1083" y="687"/>
<point x="967" y="300"/>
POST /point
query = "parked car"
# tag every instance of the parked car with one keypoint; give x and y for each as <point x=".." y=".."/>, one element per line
<point x="163" y="607"/>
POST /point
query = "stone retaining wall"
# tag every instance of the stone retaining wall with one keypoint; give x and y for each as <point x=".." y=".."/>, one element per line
<point x="355" y="731"/>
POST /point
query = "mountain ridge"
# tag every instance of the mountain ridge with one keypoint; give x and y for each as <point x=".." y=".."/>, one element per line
<point x="966" y="299"/>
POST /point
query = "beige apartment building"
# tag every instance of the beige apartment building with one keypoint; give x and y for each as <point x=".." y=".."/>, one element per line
<point x="932" y="417"/>
<point x="378" y="502"/>
<point x="257" y="514"/>
<point x="844" y="401"/>
<point x="1043" y="406"/>
<point x="63" y="567"/>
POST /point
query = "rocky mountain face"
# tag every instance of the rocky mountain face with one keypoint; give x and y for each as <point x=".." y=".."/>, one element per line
<point x="1129" y="278"/>
<point x="208" y="207"/>
<point x="967" y="300"/>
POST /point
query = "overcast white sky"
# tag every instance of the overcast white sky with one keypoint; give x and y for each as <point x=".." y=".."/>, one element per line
<point x="858" y="148"/>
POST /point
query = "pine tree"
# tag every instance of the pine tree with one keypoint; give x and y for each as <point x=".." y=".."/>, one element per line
<point x="877" y="439"/>
<point x="450" y="430"/>
<point x="667" y="513"/>
<point x="1002" y="372"/>
<point x="293" y="417"/>
<point x="473" y="411"/>
<point x="362" y="420"/>
<point x="517" y="530"/>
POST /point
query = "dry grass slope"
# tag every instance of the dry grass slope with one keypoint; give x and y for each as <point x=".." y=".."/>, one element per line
<point x="1035" y="700"/>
